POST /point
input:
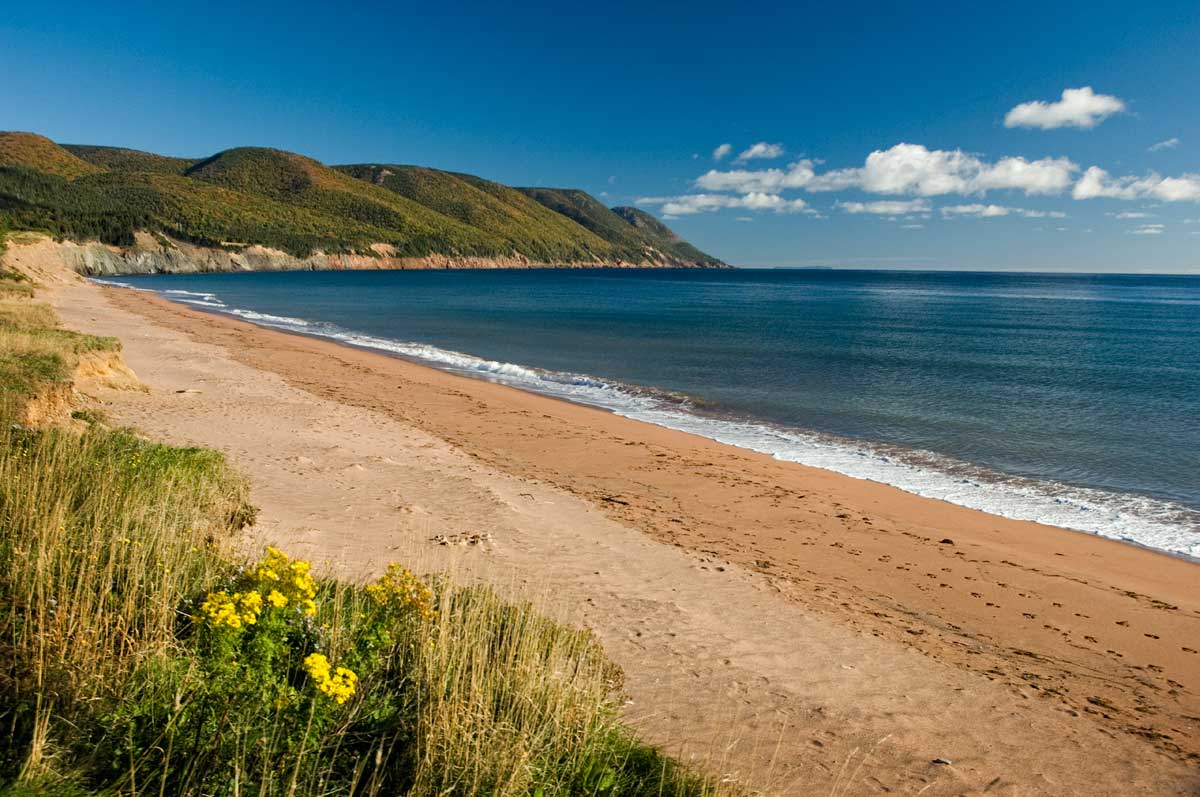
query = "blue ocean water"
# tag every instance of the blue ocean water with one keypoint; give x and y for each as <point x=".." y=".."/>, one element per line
<point x="1068" y="399"/>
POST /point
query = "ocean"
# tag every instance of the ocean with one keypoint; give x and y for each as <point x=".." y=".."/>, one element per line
<point x="1073" y="400"/>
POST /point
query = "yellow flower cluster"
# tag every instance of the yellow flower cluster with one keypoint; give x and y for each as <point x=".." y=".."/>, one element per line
<point x="400" y="587"/>
<point x="281" y="580"/>
<point x="236" y="610"/>
<point x="290" y="580"/>
<point x="337" y="684"/>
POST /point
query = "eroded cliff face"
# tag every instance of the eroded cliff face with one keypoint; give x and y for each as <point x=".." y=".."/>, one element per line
<point x="151" y="255"/>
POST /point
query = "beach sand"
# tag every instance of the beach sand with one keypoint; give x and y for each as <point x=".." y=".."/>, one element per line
<point x="795" y="628"/>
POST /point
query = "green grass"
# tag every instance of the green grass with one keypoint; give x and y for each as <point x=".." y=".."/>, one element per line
<point x="133" y="660"/>
<point x="278" y="199"/>
<point x="35" y="355"/>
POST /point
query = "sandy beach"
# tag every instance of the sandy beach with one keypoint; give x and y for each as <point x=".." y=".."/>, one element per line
<point x="795" y="628"/>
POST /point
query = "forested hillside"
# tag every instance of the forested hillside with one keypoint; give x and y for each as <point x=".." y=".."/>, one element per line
<point x="264" y="197"/>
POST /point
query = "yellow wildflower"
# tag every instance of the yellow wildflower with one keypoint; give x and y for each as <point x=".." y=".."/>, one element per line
<point x="337" y="684"/>
<point x="400" y="587"/>
<point x="277" y="599"/>
<point x="251" y="603"/>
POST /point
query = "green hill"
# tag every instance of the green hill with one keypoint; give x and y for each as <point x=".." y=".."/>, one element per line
<point x="627" y="232"/>
<point x="662" y="235"/>
<point x="41" y="154"/>
<point x="119" y="159"/>
<point x="502" y="212"/>
<point x="257" y="196"/>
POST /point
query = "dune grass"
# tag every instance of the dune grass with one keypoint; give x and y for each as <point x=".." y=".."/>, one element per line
<point x="141" y="654"/>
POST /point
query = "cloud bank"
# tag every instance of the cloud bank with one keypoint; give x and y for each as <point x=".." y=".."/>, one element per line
<point x="906" y="169"/>
<point x="691" y="204"/>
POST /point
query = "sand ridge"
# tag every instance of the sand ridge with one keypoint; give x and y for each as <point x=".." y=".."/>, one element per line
<point x="847" y="632"/>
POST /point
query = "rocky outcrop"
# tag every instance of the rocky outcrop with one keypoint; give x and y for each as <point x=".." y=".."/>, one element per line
<point x="158" y="255"/>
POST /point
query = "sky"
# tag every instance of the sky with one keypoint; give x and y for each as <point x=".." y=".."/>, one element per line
<point x="1027" y="136"/>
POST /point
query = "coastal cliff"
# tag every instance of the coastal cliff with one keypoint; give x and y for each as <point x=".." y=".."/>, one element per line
<point x="38" y="254"/>
<point x="250" y="209"/>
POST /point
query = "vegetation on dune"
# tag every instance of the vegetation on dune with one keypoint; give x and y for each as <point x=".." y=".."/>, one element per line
<point x="278" y="199"/>
<point x="140" y="654"/>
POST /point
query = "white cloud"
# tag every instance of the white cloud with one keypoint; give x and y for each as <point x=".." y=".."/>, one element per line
<point x="995" y="211"/>
<point x="887" y="207"/>
<point x="1170" y="143"/>
<point x="741" y="181"/>
<point x="761" y="150"/>
<point x="980" y="211"/>
<point x="836" y="180"/>
<point x="744" y="218"/>
<point x="691" y="204"/>
<point x="1178" y="189"/>
<point x="1130" y="214"/>
<point x="1078" y="108"/>
<point x="1148" y="229"/>
<point x="1097" y="182"/>
<point x="1045" y="176"/>
<point x="912" y="226"/>
<point x="720" y="152"/>
<point x="915" y="169"/>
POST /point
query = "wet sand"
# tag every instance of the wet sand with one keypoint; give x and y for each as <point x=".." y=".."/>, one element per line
<point x="789" y="624"/>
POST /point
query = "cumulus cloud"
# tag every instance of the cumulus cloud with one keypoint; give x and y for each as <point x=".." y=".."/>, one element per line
<point x="1078" y="108"/>
<point x="798" y="175"/>
<point x="1148" y="229"/>
<point x="1131" y="214"/>
<point x="1045" y="176"/>
<point x="1097" y="182"/>
<point x="761" y="150"/>
<point x="1170" y="143"/>
<point x="691" y="204"/>
<point x="917" y="169"/>
<point x="720" y="152"/>
<point x="887" y="207"/>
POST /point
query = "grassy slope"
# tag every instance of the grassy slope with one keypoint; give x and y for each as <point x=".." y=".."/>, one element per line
<point x="115" y="678"/>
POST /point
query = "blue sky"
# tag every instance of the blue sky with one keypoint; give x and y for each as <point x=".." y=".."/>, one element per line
<point x="630" y="102"/>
